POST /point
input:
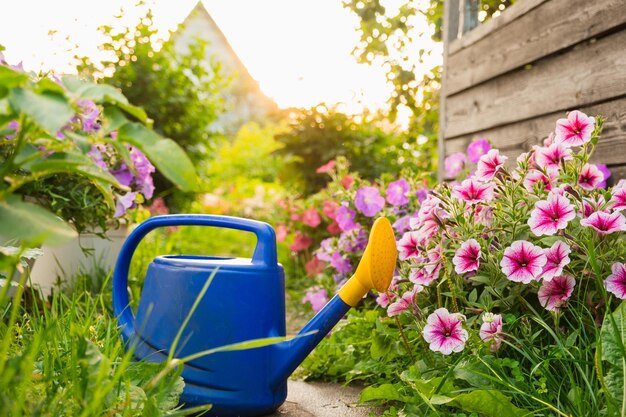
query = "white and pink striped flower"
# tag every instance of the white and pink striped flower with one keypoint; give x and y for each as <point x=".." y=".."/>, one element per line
<point x="618" y="199"/>
<point x="551" y="215"/>
<point x="491" y="330"/>
<point x="590" y="177"/>
<point x="488" y="165"/>
<point x="593" y="204"/>
<point x="444" y="332"/>
<point x="547" y="178"/>
<point x="404" y="303"/>
<point x="467" y="257"/>
<point x="557" y="258"/>
<point x="473" y="191"/>
<point x="576" y="130"/>
<point x="616" y="282"/>
<point x="551" y="156"/>
<point x="523" y="262"/>
<point x="554" y="294"/>
<point x="407" y="246"/>
<point x="605" y="223"/>
<point x="429" y="271"/>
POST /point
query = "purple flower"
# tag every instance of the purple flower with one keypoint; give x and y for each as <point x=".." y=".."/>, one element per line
<point x="421" y="194"/>
<point x="368" y="201"/>
<point x="340" y="263"/>
<point x="477" y="148"/>
<point x="15" y="126"/>
<point x="606" y="172"/>
<point x="318" y="297"/>
<point x="402" y="224"/>
<point x="124" y="203"/>
<point x="97" y="155"/>
<point x="345" y="218"/>
<point x="89" y="115"/>
<point x="397" y="192"/>
<point x="454" y="164"/>
<point x="144" y="169"/>
<point x="123" y="175"/>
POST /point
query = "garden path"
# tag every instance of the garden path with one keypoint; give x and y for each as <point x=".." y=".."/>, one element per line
<point x="316" y="399"/>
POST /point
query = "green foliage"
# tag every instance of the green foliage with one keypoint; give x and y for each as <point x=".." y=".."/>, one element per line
<point x="64" y="357"/>
<point x="320" y="134"/>
<point x="46" y="140"/>
<point x="179" y="90"/>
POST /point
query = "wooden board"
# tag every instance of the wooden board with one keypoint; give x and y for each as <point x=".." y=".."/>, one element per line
<point x="531" y="33"/>
<point x="591" y="73"/>
<point x="519" y="137"/>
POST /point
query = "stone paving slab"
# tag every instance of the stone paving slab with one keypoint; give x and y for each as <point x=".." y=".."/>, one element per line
<point x="315" y="399"/>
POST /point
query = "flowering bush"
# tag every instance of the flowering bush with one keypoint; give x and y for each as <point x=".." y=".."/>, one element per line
<point x="68" y="148"/>
<point x="508" y="296"/>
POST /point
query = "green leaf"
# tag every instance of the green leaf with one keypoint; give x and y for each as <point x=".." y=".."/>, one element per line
<point x="385" y="392"/>
<point x="114" y="119"/>
<point x="490" y="403"/>
<point x="30" y="223"/>
<point x="49" y="110"/>
<point x="381" y="345"/>
<point x="169" y="158"/>
<point x="10" y="78"/>
<point x="613" y="336"/>
<point x="66" y="162"/>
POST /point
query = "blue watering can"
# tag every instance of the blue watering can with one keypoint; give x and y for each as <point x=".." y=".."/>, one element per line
<point x="244" y="301"/>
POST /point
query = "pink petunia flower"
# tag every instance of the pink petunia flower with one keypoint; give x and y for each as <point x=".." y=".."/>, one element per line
<point x="347" y="182"/>
<point x="314" y="267"/>
<point x="467" y="257"/>
<point x="473" y="191"/>
<point x="552" y="156"/>
<point x="326" y="167"/>
<point x="397" y="192"/>
<point x="444" y="332"/>
<point x="477" y="148"/>
<point x="575" y="130"/>
<point x="593" y="204"/>
<point x="554" y="294"/>
<point x="557" y="258"/>
<point x="311" y="218"/>
<point x="491" y="330"/>
<point x="605" y="223"/>
<point x="488" y="165"/>
<point x="523" y="262"/>
<point x="618" y="199"/>
<point x="369" y="201"/>
<point x="404" y="302"/>
<point x="551" y="215"/>
<point x="281" y="232"/>
<point x="590" y="177"/>
<point x="616" y="282"/>
<point x="330" y="209"/>
<point x="301" y="242"/>
<point x="535" y="176"/>
<point x="407" y="246"/>
<point x="454" y="164"/>
<point x="383" y="299"/>
<point x="429" y="271"/>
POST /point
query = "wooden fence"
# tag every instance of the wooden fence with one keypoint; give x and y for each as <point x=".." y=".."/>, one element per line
<point x="510" y="78"/>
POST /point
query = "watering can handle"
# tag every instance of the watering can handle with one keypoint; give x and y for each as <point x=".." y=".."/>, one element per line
<point x="264" y="253"/>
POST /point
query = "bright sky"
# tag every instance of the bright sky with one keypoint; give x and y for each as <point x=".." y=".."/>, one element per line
<point x="298" y="50"/>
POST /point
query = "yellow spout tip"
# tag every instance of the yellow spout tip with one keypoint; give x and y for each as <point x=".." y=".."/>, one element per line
<point x="377" y="264"/>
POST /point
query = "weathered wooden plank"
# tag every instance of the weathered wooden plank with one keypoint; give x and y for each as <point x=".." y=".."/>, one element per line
<point x="618" y="172"/>
<point x="590" y="73"/>
<point x="519" y="137"/>
<point x="507" y="16"/>
<point x="542" y="31"/>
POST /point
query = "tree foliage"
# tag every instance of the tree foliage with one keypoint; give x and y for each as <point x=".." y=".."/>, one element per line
<point x="179" y="90"/>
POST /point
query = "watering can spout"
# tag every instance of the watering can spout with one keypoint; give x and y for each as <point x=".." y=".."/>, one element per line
<point x="375" y="270"/>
